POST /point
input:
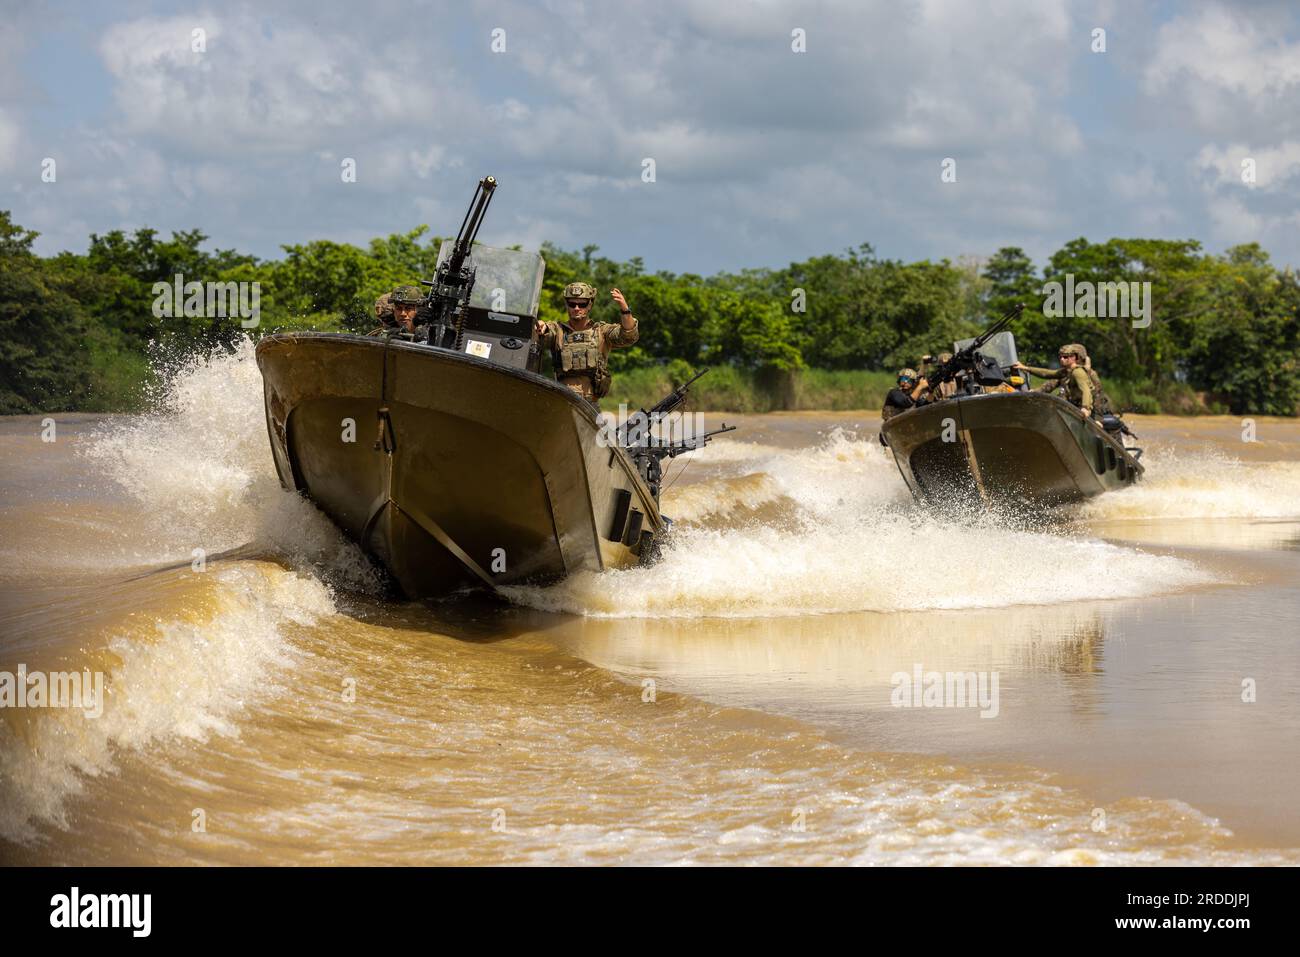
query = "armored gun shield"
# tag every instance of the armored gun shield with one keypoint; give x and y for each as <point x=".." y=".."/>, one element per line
<point x="500" y="322"/>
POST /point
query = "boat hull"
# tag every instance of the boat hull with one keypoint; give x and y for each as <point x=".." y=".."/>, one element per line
<point x="448" y="469"/>
<point x="1018" y="449"/>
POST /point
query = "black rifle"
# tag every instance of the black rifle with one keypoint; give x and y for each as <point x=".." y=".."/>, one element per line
<point x="984" y="369"/>
<point x="454" y="281"/>
<point x="636" y="430"/>
<point x="646" y="451"/>
<point x="649" y="456"/>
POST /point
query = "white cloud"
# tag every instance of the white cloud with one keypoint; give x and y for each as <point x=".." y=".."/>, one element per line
<point x="1231" y="49"/>
<point x="9" y="139"/>
<point x="1268" y="212"/>
<point x="763" y="155"/>
<point x="707" y="83"/>
<point x="1234" y="222"/>
<point x="1275" y="166"/>
<point x="1228" y="68"/>
<point x="427" y="161"/>
<point x="274" y="85"/>
<point x="1138" y="183"/>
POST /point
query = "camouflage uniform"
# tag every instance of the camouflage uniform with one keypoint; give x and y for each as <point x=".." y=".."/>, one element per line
<point x="404" y="295"/>
<point x="1100" y="401"/>
<point x="384" y="313"/>
<point x="899" y="399"/>
<point x="1081" y="386"/>
<point x="581" y="357"/>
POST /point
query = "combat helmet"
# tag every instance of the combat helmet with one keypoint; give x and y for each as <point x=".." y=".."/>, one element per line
<point x="907" y="374"/>
<point x="580" y="290"/>
<point x="408" y="295"/>
<point x="1074" y="349"/>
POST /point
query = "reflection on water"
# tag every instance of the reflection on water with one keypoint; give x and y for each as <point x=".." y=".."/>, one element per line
<point x="1128" y="696"/>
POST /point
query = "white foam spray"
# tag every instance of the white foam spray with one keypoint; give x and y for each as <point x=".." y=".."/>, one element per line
<point x="852" y="542"/>
<point x="201" y="466"/>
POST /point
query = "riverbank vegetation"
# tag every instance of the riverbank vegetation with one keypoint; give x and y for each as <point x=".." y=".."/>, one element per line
<point x="78" y="330"/>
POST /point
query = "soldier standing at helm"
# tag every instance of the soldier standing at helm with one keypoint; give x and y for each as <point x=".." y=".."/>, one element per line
<point x="1075" y="379"/>
<point x="579" y="348"/>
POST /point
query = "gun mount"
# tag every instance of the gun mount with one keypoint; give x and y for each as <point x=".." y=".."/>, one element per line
<point x="453" y="283"/>
<point x="636" y="436"/>
<point x="980" y="370"/>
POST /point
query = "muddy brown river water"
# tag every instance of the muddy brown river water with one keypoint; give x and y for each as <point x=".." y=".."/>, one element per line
<point x="764" y="694"/>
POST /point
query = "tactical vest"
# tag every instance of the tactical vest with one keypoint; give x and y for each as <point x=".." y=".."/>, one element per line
<point x="1100" y="403"/>
<point x="580" y="354"/>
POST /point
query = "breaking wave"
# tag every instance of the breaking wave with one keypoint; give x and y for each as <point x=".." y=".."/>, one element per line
<point x="848" y="539"/>
<point x="186" y="675"/>
<point x="201" y="467"/>
<point x="1203" y="484"/>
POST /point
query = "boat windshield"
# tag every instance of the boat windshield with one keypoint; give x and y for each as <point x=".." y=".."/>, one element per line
<point x="1002" y="348"/>
<point x="505" y="280"/>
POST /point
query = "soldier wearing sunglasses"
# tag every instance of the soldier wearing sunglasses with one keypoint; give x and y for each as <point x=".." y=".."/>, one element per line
<point x="909" y="392"/>
<point x="580" y="349"/>
<point x="1075" y="379"/>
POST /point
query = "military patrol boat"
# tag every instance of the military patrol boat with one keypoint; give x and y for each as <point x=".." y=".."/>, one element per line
<point x="995" y="442"/>
<point x="446" y="454"/>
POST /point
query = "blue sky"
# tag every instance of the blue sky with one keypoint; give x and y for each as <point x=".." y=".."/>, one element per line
<point x="762" y="155"/>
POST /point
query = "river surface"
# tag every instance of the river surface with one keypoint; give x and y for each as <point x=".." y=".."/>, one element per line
<point x="1133" y="664"/>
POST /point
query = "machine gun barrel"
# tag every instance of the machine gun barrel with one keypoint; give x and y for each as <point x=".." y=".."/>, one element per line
<point x="700" y="441"/>
<point x="638" y="424"/>
<point x="648" y="456"/>
<point x="454" y="281"/>
<point x="965" y="358"/>
<point x="671" y="450"/>
<point x="997" y="327"/>
<point x="469" y="226"/>
<point x="675" y="398"/>
<point x="647" y="452"/>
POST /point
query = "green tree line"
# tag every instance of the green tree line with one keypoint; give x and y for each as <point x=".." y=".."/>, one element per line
<point x="78" y="331"/>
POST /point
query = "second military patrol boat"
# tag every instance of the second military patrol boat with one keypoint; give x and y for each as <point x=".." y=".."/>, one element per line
<point x="994" y="442"/>
<point x="447" y="455"/>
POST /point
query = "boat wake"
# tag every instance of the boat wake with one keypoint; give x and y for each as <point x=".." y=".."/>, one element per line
<point x="1203" y="484"/>
<point x="761" y="530"/>
<point x="838" y="533"/>
<point x="182" y="675"/>
<point x="201" y="467"/>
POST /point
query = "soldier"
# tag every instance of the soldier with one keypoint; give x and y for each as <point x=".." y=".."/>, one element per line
<point x="1075" y="379"/>
<point x="397" y="311"/>
<point x="581" y="350"/>
<point x="406" y="306"/>
<point x="384" y="313"/>
<point x="1101" y="401"/>
<point x="907" y="395"/>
